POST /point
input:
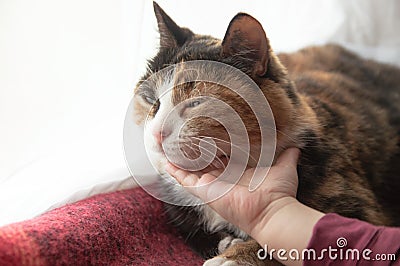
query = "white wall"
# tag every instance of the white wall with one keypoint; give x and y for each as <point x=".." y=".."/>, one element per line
<point x="66" y="77"/>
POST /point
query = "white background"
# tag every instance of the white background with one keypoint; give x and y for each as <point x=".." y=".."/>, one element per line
<point x="68" y="69"/>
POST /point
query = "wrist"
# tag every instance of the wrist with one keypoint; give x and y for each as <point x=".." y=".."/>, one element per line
<point x="289" y="227"/>
<point x="273" y="209"/>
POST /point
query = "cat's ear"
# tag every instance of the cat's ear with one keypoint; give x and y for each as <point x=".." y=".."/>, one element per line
<point x="245" y="37"/>
<point x="171" y="35"/>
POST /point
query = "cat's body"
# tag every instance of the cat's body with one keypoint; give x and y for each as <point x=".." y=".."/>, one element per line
<point x="357" y="139"/>
<point x="342" y="111"/>
<point x="358" y="180"/>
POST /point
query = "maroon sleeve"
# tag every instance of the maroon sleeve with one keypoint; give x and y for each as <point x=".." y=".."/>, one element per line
<point x="337" y="240"/>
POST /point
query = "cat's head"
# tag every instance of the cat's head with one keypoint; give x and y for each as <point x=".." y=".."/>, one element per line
<point x="244" y="47"/>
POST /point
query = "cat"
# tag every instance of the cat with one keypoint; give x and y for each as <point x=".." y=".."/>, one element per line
<point x="341" y="110"/>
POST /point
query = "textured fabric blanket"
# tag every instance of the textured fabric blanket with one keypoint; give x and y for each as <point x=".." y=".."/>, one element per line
<point x="126" y="227"/>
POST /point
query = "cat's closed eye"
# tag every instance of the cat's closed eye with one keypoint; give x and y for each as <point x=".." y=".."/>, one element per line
<point x="149" y="99"/>
<point x="194" y="103"/>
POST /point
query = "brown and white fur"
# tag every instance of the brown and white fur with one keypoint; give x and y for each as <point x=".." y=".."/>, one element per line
<point x="342" y="111"/>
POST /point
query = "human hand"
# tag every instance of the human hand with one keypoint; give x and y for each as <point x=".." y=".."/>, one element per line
<point x="250" y="211"/>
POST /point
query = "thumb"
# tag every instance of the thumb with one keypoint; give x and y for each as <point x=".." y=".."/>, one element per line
<point x="288" y="158"/>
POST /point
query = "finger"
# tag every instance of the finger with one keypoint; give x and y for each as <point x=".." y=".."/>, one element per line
<point x="289" y="158"/>
<point x="206" y="187"/>
<point x="238" y="174"/>
<point x="180" y="174"/>
<point x="210" y="190"/>
<point x="246" y="177"/>
<point x="206" y="179"/>
<point x="183" y="177"/>
<point x="175" y="168"/>
<point x="258" y="176"/>
<point x="218" y="163"/>
<point x="214" y="173"/>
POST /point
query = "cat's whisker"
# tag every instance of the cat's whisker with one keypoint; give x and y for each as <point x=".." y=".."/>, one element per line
<point x="203" y="138"/>
<point x="209" y="152"/>
<point x="220" y="149"/>
<point x="202" y="148"/>
<point x="184" y="152"/>
<point x="224" y="141"/>
<point x="225" y="154"/>
<point x="205" y="150"/>
<point x="190" y="147"/>
<point x="212" y="154"/>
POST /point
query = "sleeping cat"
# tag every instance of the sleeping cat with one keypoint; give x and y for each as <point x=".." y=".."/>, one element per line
<point x="342" y="111"/>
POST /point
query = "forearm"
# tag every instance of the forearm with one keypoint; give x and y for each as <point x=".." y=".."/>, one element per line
<point x="288" y="225"/>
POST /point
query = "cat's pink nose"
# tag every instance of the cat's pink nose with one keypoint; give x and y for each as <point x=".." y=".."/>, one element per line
<point x="160" y="136"/>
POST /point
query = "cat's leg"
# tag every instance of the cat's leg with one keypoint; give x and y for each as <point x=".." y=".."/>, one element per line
<point x="239" y="253"/>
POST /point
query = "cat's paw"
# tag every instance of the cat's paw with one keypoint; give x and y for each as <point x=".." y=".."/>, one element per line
<point x="223" y="245"/>
<point x="238" y="253"/>
<point x="220" y="261"/>
<point x="227" y="242"/>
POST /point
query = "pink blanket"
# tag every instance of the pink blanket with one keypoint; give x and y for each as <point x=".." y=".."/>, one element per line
<point x="121" y="228"/>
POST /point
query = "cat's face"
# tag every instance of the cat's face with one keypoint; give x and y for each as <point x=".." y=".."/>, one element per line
<point x="178" y="110"/>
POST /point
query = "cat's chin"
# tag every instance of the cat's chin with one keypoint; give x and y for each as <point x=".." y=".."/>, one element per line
<point x="160" y="160"/>
<point x="217" y="163"/>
